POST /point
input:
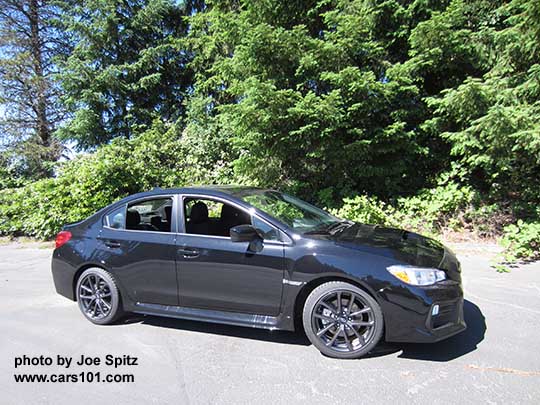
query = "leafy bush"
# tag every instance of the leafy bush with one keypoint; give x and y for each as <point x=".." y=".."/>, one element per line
<point x="433" y="209"/>
<point x="9" y="179"/>
<point x="522" y="241"/>
<point x="156" y="158"/>
<point x="427" y="212"/>
<point x="368" y="210"/>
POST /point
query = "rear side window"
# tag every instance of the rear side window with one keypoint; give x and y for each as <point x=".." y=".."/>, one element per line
<point x="117" y="218"/>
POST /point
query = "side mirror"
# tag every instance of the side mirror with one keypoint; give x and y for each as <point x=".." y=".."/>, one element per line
<point x="243" y="233"/>
<point x="247" y="233"/>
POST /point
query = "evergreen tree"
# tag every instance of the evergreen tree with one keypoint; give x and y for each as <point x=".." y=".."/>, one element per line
<point x="128" y="67"/>
<point x="308" y="96"/>
<point x="29" y="107"/>
<point x="489" y="107"/>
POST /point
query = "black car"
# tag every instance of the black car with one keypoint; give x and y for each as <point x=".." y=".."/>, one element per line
<point x="260" y="258"/>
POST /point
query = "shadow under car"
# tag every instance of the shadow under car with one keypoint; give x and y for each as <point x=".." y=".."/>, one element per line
<point x="445" y="350"/>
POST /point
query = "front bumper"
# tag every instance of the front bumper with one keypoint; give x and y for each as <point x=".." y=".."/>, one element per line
<point x="409" y="312"/>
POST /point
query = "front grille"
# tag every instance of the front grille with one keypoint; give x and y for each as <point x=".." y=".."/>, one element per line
<point x="448" y="313"/>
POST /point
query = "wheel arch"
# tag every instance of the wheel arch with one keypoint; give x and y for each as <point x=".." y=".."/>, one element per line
<point x="78" y="273"/>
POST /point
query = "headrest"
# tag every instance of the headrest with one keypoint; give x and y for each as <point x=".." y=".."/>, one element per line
<point x="228" y="211"/>
<point x="133" y="218"/>
<point x="168" y="212"/>
<point x="235" y="215"/>
<point x="156" y="221"/>
<point x="199" y="213"/>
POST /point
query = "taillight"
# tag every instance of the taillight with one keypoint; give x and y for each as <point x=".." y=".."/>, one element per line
<point x="62" y="238"/>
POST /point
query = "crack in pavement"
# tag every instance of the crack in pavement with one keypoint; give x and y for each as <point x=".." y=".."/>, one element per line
<point x="505" y="370"/>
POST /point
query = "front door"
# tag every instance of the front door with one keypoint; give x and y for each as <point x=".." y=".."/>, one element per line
<point x="216" y="273"/>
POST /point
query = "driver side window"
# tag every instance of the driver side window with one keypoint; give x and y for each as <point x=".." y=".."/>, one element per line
<point x="211" y="217"/>
<point x="204" y="216"/>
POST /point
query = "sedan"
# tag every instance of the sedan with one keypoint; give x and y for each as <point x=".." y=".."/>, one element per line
<point x="260" y="258"/>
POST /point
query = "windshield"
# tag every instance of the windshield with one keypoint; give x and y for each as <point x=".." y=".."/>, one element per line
<point x="299" y="215"/>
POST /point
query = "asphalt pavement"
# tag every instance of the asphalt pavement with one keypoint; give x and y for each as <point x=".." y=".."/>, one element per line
<point x="496" y="361"/>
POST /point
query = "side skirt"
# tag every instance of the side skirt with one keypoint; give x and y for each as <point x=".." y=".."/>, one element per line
<point x="206" y="315"/>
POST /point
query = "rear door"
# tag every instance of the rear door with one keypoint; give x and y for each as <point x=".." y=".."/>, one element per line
<point x="140" y="244"/>
<point x="216" y="273"/>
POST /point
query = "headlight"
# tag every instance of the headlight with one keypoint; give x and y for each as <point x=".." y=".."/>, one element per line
<point x="417" y="275"/>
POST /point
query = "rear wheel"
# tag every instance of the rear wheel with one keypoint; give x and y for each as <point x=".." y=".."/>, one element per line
<point x="342" y="320"/>
<point x="98" y="296"/>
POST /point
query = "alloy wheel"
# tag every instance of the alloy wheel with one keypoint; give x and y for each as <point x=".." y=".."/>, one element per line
<point x="343" y="321"/>
<point x="96" y="296"/>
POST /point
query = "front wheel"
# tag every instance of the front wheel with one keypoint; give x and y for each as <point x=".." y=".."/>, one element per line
<point x="342" y="320"/>
<point x="98" y="296"/>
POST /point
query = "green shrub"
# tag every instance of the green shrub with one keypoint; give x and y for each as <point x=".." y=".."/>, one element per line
<point x="156" y="158"/>
<point x="434" y="209"/>
<point x="428" y="212"/>
<point x="8" y="178"/>
<point x="368" y="210"/>
<point x="522" y="241"/>
<point x="37" y="209"/>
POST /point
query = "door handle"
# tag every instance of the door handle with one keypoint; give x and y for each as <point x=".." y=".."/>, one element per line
<point x="188" y="253"/>
<point x="112" y="243"/>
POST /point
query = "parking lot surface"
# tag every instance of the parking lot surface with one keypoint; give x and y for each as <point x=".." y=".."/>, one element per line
<point x="497" y="360"/>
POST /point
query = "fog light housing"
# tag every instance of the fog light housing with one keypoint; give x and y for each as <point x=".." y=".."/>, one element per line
<point x="435" y="310"/>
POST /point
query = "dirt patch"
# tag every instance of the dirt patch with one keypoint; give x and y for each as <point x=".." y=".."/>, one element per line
<point x="26" y="243"/>
<point x="477" y="249"/>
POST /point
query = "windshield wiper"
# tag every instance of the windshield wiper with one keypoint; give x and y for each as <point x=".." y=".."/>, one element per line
<point x="329" y="229"/>
<point x="322" y="229"/>
<point x="340" y="226"/>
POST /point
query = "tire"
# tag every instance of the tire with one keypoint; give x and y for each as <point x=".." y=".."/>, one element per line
<point x="338" y="327"/>
<point x="101" y="305"/>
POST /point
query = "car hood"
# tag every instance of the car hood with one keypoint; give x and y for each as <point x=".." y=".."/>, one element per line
<point x="404" y="246"/>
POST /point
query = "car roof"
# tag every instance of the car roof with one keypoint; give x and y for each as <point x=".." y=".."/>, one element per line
<point x="233" y="193"/>
<point x="216" y="190"/>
